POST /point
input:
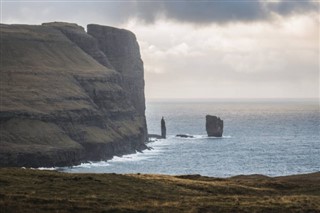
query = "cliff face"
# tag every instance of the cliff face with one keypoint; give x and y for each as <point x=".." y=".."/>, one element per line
<point x="62" y="100"/>
<point x="122" y="49"/>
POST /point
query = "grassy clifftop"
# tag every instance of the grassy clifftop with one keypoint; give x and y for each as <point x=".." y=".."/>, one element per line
<point x="44" y="49"/>
<point x="23" y="190"/>
<point x="39" y="67"/>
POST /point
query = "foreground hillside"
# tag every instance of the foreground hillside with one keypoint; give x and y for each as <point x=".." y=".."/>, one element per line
<point x="25" y="190"/>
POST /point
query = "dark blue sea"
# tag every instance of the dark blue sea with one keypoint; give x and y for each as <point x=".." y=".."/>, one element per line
<point x="268" y="137"/>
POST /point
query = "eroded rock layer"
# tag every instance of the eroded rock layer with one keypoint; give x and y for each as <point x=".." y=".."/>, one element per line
<point x="62" y="101"/>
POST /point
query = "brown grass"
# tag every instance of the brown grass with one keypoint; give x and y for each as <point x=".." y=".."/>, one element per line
<point x="25" y="190"/>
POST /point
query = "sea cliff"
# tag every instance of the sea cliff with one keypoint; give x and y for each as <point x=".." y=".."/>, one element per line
<point x="68" y="96"/>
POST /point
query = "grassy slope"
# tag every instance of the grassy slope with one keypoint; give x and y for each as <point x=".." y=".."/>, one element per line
<point x="23" y="190"/>
<point x="38" y="67"/>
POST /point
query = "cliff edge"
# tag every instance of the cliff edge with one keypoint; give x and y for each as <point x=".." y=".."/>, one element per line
<point x="64" y="99"/>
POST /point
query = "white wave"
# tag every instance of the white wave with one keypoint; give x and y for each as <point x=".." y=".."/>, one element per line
<point x="46" y="168"/>
<point x="157" y="147"/>
<point x="92" y="164"/>
<point x="146" y="154"/>
<point x="160" y="142"/>
<point x="138" y="156"/>
<point x="204" y="137"/>
<point x="126" y="158"/>
<point x="223" y="137"/>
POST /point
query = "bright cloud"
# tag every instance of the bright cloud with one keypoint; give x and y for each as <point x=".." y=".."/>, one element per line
<point x="261" y="59"/>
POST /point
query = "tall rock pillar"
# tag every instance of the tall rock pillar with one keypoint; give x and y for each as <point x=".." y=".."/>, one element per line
<point x="163" y="128"/>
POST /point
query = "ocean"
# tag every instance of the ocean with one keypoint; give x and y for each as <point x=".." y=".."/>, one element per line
<point x="268" y="137"/>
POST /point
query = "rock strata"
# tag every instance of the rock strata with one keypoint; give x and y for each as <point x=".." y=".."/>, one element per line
<point x="214" y="126"/>
<point x="62" y="100"/>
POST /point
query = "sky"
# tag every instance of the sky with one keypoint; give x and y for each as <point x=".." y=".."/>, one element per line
<point x="205" y="49"/>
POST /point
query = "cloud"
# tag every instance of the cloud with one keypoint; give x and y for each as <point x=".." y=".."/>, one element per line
<point x="286" y="7"/>
<point x="240" y="60"/>
<point x="204" y="12"/>
<point x="190" y="11"/>
<point x="245" y="49"/>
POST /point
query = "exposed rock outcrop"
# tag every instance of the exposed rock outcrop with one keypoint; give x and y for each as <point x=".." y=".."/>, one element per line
<point x="154" y="136"/>
<point x="214" y="126"/>
<point x="62" y="101"/>
<point x="184" y="136"/>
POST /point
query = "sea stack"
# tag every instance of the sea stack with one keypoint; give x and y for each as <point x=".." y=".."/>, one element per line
<point x="163" y="128"/>
<point x="214" y="126"/>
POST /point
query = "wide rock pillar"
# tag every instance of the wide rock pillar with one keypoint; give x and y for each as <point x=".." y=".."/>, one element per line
<point x="214" y="126"/>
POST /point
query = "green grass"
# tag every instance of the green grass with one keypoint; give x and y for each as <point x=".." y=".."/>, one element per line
<point x="25" y="190"/>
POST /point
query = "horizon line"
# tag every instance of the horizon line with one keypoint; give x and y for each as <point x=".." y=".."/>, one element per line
<point x="316" y="99"/>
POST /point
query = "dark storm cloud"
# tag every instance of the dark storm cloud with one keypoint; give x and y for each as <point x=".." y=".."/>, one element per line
<point x="292" y="7"/>
<point x="198" y="12"/>
<point x="220" y="11"/>
<point x="203" y="12"/>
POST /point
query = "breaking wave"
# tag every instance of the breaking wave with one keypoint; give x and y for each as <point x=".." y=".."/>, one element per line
<point x="203" y="137"/>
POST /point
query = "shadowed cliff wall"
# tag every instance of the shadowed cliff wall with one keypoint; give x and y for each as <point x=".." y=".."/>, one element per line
<point x="122" y="49"/>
